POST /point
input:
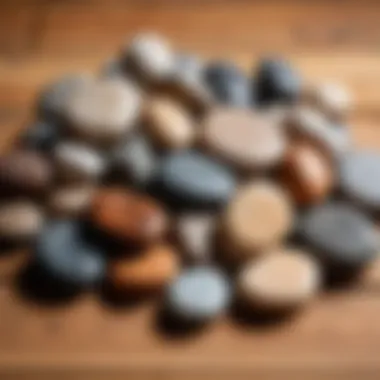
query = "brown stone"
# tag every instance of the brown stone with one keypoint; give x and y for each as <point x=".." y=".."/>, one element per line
<point x="149" y="271"/>
<point x="131" y="217"/>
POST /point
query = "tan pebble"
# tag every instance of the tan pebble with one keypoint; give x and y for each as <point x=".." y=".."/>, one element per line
<point x="149" y="271"/>
<point x="259" y="217"/>
<point x="20" y="220"/>
<point x="307" y="174"/>
<point x="168" y="124"/>
<point x="279" y="281"/>
<point x="249" y="140"/>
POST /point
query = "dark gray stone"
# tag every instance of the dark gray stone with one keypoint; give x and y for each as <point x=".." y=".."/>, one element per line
<point x="41" y="136"/>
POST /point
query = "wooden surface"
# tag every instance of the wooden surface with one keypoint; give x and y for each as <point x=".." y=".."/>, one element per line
<point x="337" y="337"/>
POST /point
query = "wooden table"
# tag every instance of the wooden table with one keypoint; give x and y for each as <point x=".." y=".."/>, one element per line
<point x="337" y="337"/>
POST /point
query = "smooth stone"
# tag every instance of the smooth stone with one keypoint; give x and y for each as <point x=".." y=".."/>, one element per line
<point x="64" y="252"/>
<point x="41" y="136"/>
<point x="229" y="85"/>
<point x="188" y="68"/>
<point x="259" y="217"/>
<point x="190" y="179"/>
<point x="168" y="124"/>
<point x="78" y="162"/>
<point x="199" y="294"/>
<point x="25" y="172"/>
<point x="340" y="235"/>
<point x="195" y="235"/>
<point x="148" y="272"/>
<point x="20" y="220"/>
<point x="280" y="281"/>
<point x="135" y="161"/>
<point x="104" y="111"/>
<point x="150" y="56"/>
<point x="112" y="69"/>
<point x="129" y="216"/>
<point x="70" y="200"/>
<point x="248" y="140"/>
<point x="360" y="178"/>
<point x="307" y="174"/>
<point x="276" y="82"/>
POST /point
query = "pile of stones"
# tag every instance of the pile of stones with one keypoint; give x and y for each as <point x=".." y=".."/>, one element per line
<point x="168" y="175"/>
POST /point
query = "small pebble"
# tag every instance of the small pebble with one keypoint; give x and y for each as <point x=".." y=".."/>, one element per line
<point x="128" y="216"/>
<point x="276" y="82"/>
<point x="248" y="140"/>
<point x="278" y="282"/>
<point x="307" y="174"/>
<point x="190" y="179"/>
<point x="199" y="295"/>
<point x="41" y="136"/>
<point x="168" y="124"/>
<point x="148" y="272"/>
<point x="340" y="235"/>
<point x="77" y="162"/>
<point x="24" y="172"/>
<point x="66" y="255"/>
<point x="258" y="218"/>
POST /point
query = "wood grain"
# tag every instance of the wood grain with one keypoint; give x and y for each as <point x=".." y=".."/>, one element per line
<point x="336" y="337"/>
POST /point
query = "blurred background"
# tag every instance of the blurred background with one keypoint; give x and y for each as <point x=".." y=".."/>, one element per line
<point x="41" y="40"/>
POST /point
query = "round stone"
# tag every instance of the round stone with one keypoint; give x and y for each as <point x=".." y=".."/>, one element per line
<point x="64" y="252"/>
<point x="128" y="216"/>
<point x="103" y="111"/>
<point x="199" y="294"/>
<point x="135" y="161"/>
<point x="259" y="217"/>
<point x="248" y="140"/>
<point x="279" y="281"/>
<point x="70" y="200"/>
<point x="340" y="234"/>
<point x="168" y="124"/>
<point x="20" y="220"/>
<point x="189" y="179"/>
<point x="78" y="162"/>
<point x="228" y="84"/>
<point x="24" y="172"/>
<point x="276" y="82"/>
<point x="360" y="176"/>
<point x="307" y="174"/>
<point x="150" y="271"/>
<point x="195" y="235"/>
<point x="41" y="136"/>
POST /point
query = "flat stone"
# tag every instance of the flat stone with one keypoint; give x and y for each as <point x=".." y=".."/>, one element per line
<point x="246" y="139"/>
<point x="190" y="179"/>
<point x="63" y="251"/>
<point x="279" y="281"/>
<point x="129" y="216"/>
<point x="340" y="234"/>
<point x="149" y="271"/>
<point x="199" y="294"/>
<point x="360" y="178"/>
<point x="20" y="220"/>
<point x="41" y="136"/>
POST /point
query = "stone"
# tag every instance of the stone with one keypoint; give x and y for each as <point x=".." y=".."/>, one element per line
<point x="247" y="140"/>
<point x="307" y="174"/>
<point x="228" y="84"/>
<point x="195" y="235"/>
<point x="20" y="220"/>
<point x="42" y="136"/>
<point x="25" y="172"/>
<point x="192" y="180"/>
<point x="168" y="124"/>
<point x="280" y="281"/>
<point x="128" y="216"/>
<point x="147" y="272"/>
<point x="65" y="254"/>
<point x="78" y="162"/>
<point x="103" y="111"/>
<point x="199" y="295"/>
<point x="276" y="82"/>
<point x="360" y="176"/>
<point x="340" y="234"/>
<point x="258" y="218"/>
